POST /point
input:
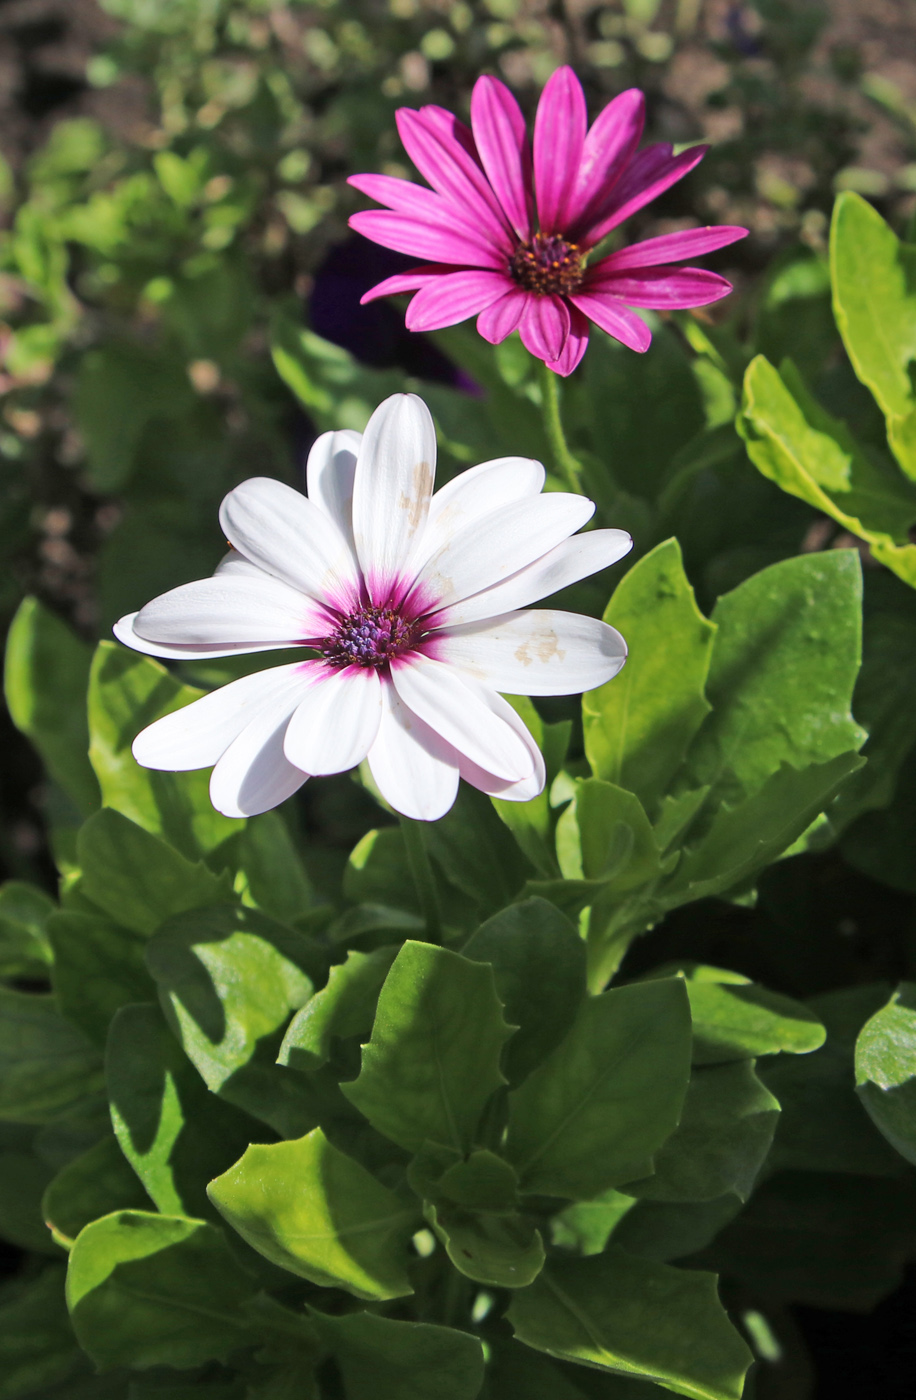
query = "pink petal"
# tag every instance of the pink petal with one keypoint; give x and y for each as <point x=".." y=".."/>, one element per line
<point x="422" y="240"/>
<point x="659" y="289"/>
<point x="503" y="317"/>
<point x="615" y="318"/>
<point x="608" y="148"/>
<point x="427" y="207"/>
<point x="576" y="344"/>
<point x="672" y="247"/>
<point x="405" y="282"/>
<point x="545" y="326"/>
<point x="442" y="148"/>
<point x="454" y="298"/>
<point x="502" y="141"/>
<point x="559" y="135"/>
<point x="652" y="172"/>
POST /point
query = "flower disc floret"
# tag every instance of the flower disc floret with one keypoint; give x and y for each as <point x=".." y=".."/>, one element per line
<point x="369" y="637"/>
<point x="547" y="266"/>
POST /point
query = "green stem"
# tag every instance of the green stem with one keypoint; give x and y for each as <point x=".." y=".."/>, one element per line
<point x="563" y="459"/>
<point x="423" y="877"/>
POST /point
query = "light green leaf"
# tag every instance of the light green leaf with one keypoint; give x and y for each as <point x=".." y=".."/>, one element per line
<point x="875" y="307"/>
<point x="784" y="664"/>
<point x="92" y="1185"/>
<point x="45" y="679"/>
<point x="381" y="1359"/>
<point x="98" y="967"/>
<point x="721" y="1142"/>
<point x="46" y="1064"/>
<point x="433" y="1058"/>
<point x="127" y="692"/>
<point x="317" y="1213"/>
<point x="615" y="837"/>
<point x="173" y="1132"/>
<point x="598" y="1108"/>
<point x="156" y="1290"/>
<point x="886" y="1069"/>
<point x="37" y="1345"/>
<point x="229" y="979"/>
<point x="538" y="962"/>
<point x="734" y="1019"/>
<point x="335" y="390"/>
<point x="136" y="878"/>
<point x="501" y="1249"/>
<point x="345" y="1007"/>
<point x="622" y="1313"/>
<point x="638" y="726"/>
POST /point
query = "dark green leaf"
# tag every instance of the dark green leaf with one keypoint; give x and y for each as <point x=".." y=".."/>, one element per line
<point x="886" y="1069"/>
<point x="316" y="1212"/>
<point x="24" y="947"/>
<point x="538" y="962"/>
<point x="98" y="967"/>
<point x="433" y="1058"/>
<point x="146" y="386"/>
<point x="46" y="1064"/>
<point x="477" y="853"/>
<point x="503" y="1250"/>
<point x="623" y="1313"/>
<point x="615" y="838"/>
<point x="156" y="1290"/>
<point x="377" y="872"/>
<point x="381" y="1359"/>
<point x="345" y="1007"/>
<point x="276" y="879"/>
<point x="23" y="1178"/>
<point x="94" y="1184"/>
<point x="598" y="1108"/>
<point x="37" y="1345"/>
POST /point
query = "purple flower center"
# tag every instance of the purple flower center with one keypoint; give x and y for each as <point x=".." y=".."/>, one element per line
<point x="548" y="265"/>
<point x="369" y="637"/>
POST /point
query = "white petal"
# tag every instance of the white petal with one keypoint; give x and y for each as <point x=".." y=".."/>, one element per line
<point x="473" y="494"/>
<point x="525" y="788"/>
<point x="394" y="481"/>
<point x="543" y="652"/>
<point x="438" y="695"/>
<point x="124" y="631"/>
<point x="414" y="769"/>
<point x="498" y="545"/>
<point x="234" y="608"/>
<point x="336" y="721"/>
<point x="197" y="735"/>
<point x="235" y="563"/>
<point x="291" y="538"/>
<point x="573" y="559"/>
<point x="329" y="476"/>
<point x="254" y="774"/>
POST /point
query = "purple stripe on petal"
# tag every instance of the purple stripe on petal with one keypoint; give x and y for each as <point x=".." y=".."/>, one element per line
<point x="502" y="142"/>
<point x="422" y="240"/>
<point x="503" y="317"/>
<point x="672" y="247"/>
<point x="576" y="343"/>
<point x="615" y="318"/>
<point x="417" y="202"/>
<point x="660" y="289"/>
<point x="405" y="282"/>
<point x="559" y="135"/>
<point x="652" y="172"/>
<point x="450" y="299"/>
<point x="544" y="327"/>
<point x="442" y="148"/>
<point x="608" y="148"/>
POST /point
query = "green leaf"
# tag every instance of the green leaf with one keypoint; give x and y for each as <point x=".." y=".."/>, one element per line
<point x="784" y="664"/>
<point x="598" y="1108"/>
<point x="381" y="1359"/>
<point x="46" y="1064"/>
<point x="538" y="962"/>
<point x="37" y="1345"/>
<point x="92" y="1185"/>
<point x="798" y="445"/>
<point x="377" y="871"/>
<point x="481" y="1181"/>
<point x="47" y="671"/>
<point x="25" y="950"/>
<point x="23" y="1177"/>
<point x="886" y="1069"/>
<point x="432" y="1061"/>
<point x="156" y="1290"/>
<point x="477" y="852"/>
<point x="228" y="979"/>
<point x="173" y="1132"/>
<point x="616" y="840"/>
<point x="127" y="692"/>
<point x="501" y="1249"/>
<point x="317" y="1213"/>
<point x="734" y="1019"/>
<point x="335" y="390"/>
<point x="668" y="1231"/>
<point x="145" y="385"/>
<point x="638" y="726"/>
<point x="345" y="1007"/>
<point x="136" y="878"/>
<point x="721" y="1142"/>
<point x="622" y="1313"/>
<point x="276" y="878"/>
<point x="875" y="307"/>
<point x="98" y="967"/>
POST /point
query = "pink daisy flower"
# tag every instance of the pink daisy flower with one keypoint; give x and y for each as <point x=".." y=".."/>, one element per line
<point x="507" y="232"/>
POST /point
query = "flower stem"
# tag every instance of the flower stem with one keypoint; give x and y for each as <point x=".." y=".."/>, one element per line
<point x="423" y="877"/>
<point x="563" y="459"/>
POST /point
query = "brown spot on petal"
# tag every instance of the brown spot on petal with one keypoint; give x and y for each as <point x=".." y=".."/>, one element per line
<point x="545" y="645"/>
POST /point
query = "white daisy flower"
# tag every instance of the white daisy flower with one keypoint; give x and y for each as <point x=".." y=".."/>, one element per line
<point x="416" y="607"/>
